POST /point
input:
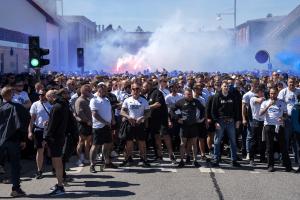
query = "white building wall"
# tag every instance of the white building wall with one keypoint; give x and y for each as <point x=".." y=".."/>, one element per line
<point x="19" y="15"/>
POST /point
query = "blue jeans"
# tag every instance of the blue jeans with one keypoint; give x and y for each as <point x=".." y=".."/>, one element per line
<point x="249" y="135"/>
<point x="290" y="138"/>
<point x="14" y="153"/>
<point x="229" y="126"/>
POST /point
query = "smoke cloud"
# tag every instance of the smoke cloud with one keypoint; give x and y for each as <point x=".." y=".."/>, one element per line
<point x="178" y="44"/>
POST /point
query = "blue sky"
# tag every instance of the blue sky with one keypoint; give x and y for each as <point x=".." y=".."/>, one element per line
<point x="150" y="14"/>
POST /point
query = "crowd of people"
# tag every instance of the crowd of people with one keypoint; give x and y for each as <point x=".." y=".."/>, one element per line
<point x="189" y="117"/>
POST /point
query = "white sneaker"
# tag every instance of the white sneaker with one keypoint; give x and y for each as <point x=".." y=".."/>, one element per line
<point x="114" y="154"/>
<point x="79" y="163"/>
<point x="2" y="171"/>
<point x="248" y="156"/>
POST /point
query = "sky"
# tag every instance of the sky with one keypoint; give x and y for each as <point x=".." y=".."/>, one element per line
<point x="151" y="14"/>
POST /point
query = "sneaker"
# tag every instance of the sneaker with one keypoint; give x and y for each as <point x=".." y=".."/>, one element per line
<point x="173" y="160"/>
<point x="17" y="193"/>
<point x="271" y="169"/>
<point x="252" y="163"/>
<point x="196" y="164"/>
<point x="298" y="170"/>
<point x="125" y="163"/>
<point x="215" y="163"/>
<point x="59" y="190"/>
<point x="39" y="175"/>
<point x="188" y="159"/>
<point x="2" y="170"/>
<point x="79" y="163"/>
<point x="114" y="154"/>
<point x="248" y="156"/>
<point x="92" y="169"/>
<point x="290" y="169"/>
<point x="235" y="164"/>
<point x="145" y="163"/>
<point x="111" y="166"/>
<point x="181" y="164"/>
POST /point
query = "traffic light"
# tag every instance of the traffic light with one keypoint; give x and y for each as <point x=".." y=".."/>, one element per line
<point x="80" y="57"/>
<point x="36" y="53"/>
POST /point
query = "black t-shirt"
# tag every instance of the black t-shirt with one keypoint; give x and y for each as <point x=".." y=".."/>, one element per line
<point x="187" y="110"/>
<point x="225" y="106"/>
<point x="160" y="113"/>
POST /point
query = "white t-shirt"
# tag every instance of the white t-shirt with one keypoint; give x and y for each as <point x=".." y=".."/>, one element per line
<point x="40" y="112"/>
<point x="171" y="100"/>
<point x="136" y="107"/>
<point x="20" y="98"/>
<point x="274" y="112"/>
<point x="289" y="97"/>
<point x="255" y="108"/>
<point x="247" y="97"/>
<point x="103" y="107"/>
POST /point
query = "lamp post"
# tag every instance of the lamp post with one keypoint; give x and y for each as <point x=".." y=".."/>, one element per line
<point x="219" y="15"/>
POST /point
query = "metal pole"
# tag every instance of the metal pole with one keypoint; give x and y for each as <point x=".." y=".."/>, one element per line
<point x="62" y="7"/>
<point x="234" y="14"/>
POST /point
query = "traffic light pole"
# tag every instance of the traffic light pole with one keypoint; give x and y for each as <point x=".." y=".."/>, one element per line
<point x="38" y="74"/>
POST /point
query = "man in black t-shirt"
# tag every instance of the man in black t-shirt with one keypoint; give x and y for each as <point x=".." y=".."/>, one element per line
<point x="189" y="112"/>
<point x="158" y="121"/>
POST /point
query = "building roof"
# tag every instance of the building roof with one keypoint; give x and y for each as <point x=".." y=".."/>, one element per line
<point x="262" y="20"/>
<point x="79" y="18"/>
<point x="287" y="24"/>
<point x="51" y="19"/>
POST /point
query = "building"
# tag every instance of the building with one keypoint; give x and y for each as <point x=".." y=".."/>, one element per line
<point x="253" y="31"/>
<point x="20" y="19"/>
<point x="81" y="31"/>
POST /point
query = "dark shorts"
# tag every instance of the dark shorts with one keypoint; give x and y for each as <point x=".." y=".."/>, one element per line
<point x="158" y="127"/>
<point x="175" y="130"/>
<point x="102" y="135"/>
<point x="38" y="138"/>
<point x="202" y="130"/>
<point x="136" y="132"/>
<point x="84" y="129"/>
<point x="56" y="149"/>
<point x="189" y="131"/>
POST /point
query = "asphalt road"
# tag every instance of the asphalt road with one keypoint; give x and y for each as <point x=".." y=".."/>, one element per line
<point x="164" y="181"/>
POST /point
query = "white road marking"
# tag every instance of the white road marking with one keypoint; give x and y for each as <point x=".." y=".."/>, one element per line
<point x="75" y="170"/>
<point x="209" y="170"/>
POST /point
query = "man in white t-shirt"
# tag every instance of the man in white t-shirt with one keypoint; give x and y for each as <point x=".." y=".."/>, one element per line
<point x="289" y="96"/>
<point x="102" y="118"/>
<point x="174" y="126"/>
<point x="136" y="110"/>
<point x="21" y="96"/>
<point x="256" y="126"/>
<point x="246" y="115"/>
<point x="39" y="112"/>
<point x="274" y="112"/>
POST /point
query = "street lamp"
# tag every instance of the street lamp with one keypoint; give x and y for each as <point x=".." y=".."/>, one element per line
<point x="219" y="15"/>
